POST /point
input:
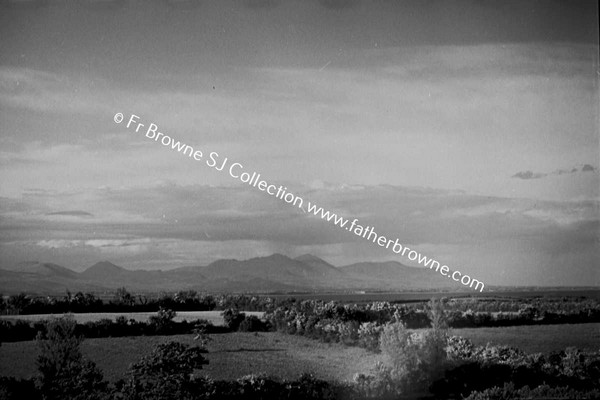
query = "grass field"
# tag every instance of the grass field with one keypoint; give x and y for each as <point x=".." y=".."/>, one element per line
<point x="537" y="338"/>
<point x="212" y="316"/>
<point x="230" y="355"/>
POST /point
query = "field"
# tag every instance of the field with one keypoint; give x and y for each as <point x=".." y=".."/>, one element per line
<point x="234" y="355"/>
<point x="231" y="356"/>
<point x="537" y="338"/>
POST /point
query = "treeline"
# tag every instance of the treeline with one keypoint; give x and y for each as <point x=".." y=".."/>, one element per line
<point x="361" y="325"/>
<point x="461" y="312"/>
<point x="160" y="324"/>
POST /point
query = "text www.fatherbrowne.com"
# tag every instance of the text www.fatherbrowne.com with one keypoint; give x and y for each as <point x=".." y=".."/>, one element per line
<point x="236" y="170"/>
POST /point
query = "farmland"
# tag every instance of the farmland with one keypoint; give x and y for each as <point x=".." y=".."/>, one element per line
<point x="237" y="354"/>
<point x="494" y="339"/>
<point x="230" y="356"/>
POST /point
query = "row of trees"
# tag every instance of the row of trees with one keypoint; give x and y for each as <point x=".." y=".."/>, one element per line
<point x="162" y="323"/>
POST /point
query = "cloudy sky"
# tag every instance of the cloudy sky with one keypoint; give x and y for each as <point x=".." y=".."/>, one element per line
<point x="467" y="129"/>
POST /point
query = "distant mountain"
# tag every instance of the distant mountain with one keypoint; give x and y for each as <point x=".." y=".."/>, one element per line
<point x="277" y="268"/>
<point x="317" y="262"/>
<point x="102" y="270"/>
<point x="46" y="269"/>
<point x="276" y="272"/>
<point x="36" y="277"/>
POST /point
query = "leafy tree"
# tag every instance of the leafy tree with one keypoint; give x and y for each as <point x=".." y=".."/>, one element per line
<point x="17" y="303"/>
<point x="414" y="359"/>
<point x="166" y="373"/>
<point x="251" y="323"/>
<point x="233" y="318"/>
<point x="64" y="373"/>
<point x="163" y="320"/>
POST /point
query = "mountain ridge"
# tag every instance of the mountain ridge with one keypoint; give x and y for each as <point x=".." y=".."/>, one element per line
<point x="276" y="272"/>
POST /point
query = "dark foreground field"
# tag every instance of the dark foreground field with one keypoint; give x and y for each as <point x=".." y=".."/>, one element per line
<point x="233" y="355"/>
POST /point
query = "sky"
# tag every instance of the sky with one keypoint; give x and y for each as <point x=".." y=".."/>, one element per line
<point x="469" y="130"/>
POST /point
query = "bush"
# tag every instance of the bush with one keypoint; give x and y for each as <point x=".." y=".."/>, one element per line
<point x="542" y="392"/>
<point x="162" y="322"/>
<point x="258" y="386"/>
<point x="310" y="388"/>
<point x="368" y="335"/>
<point x="233" y="318"/>
<point x="18" y="389"/>
<point x="414" y="360"/>
<point x="252" y="323"/>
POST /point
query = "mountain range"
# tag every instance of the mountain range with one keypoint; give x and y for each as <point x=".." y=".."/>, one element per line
<point x="275" y="273"/>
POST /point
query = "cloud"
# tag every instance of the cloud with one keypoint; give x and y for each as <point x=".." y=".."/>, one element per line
<point x="74" y="213"/>
<point x="538" y="175"/>
<point x="58" y="243"/>
<point x="528" y="175"/>
<point x="588" y="168"/>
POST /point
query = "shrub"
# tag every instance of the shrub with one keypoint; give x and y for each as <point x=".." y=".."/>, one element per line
<point x="233" y="318"/>
<point x="162" y="322"/>
<point x="460" y="349"/>
<point x="252" y="323"/>
<point x="348" y="333"/>
<point x="258" y="387"/>
<point x="542" y="392"/>
<point x="368" y="335"/>
<point x="18" y="389"/>
<point x="414" y="359"/>
<point x="310" y="388"/>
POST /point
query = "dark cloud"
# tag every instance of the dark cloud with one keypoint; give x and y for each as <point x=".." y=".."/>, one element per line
<point x="588" y="168"/>
<point x="74" y="213"/>
<point x="528" y="175"/>
<point x="539" y="175"/>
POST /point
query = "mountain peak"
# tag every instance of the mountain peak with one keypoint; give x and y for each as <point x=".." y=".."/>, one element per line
<point x="103" y="268"/>
<point x="314" y="261"/>
<point x="308" y="258"/>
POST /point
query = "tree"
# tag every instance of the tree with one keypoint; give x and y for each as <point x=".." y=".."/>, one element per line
<point x="233" y="318"/>
<point x="64" y="373"/>
<point x="17" y="303"/>
<point x="437" y="315"/>
<point x="165" y="374"/>
<point x="437" y="336"/>
<point x="414" y="359"/>
<point x="163" y="320"/>
<point x="123" y="297"/>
